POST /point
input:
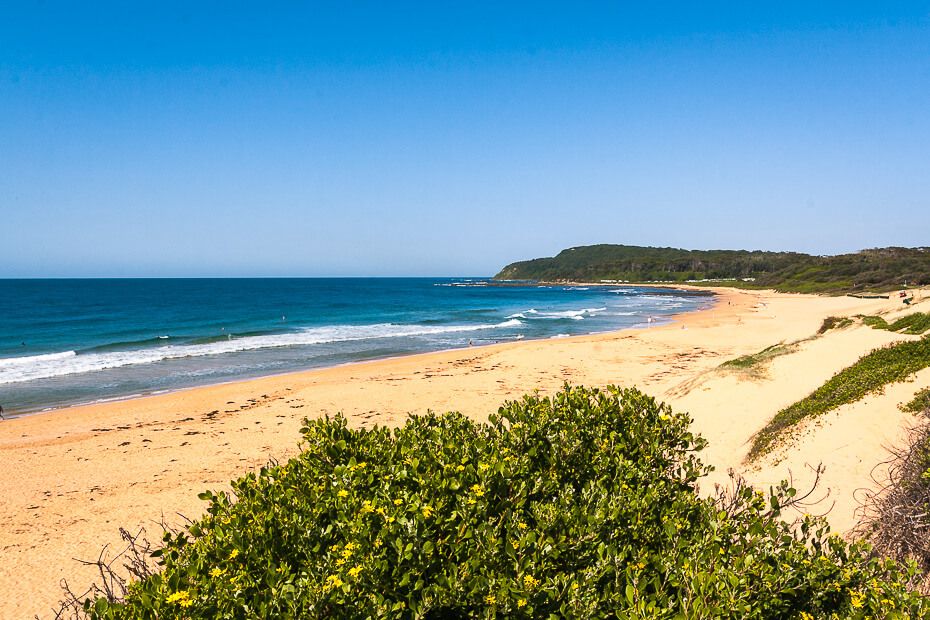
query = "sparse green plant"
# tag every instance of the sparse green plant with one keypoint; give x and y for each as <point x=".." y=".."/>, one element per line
<point x="834" y="322"/>
<point x="754" y="364"/>
<point x="871" y="373"/>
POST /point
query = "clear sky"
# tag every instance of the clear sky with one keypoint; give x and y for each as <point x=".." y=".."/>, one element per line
<point x="450" y="138"/>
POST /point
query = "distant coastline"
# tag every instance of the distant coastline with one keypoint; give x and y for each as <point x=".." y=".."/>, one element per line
<point x="879" y="269"/>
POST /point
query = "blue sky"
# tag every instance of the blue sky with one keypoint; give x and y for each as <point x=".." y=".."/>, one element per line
<point x="201" y="139"/>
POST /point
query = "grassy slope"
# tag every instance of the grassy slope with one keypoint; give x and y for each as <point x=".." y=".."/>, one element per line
<point x="870" y="374"/>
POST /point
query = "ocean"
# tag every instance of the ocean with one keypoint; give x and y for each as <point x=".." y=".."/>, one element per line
<point x="66" y="342"/>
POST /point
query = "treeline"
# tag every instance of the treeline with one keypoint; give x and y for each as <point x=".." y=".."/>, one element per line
<point x="879" y="269"/>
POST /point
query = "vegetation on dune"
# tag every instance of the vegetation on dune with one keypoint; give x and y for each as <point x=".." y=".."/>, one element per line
<point x="876" y="269"/>
<point x="920" y="403"/>
<point x="755" y="362"/>
<point x="871" y="373"/>
<point x="916" y="323"/>
<point x="834" y="322"/>
<point x="896" y="517"/>
<point x="579" y="506"/>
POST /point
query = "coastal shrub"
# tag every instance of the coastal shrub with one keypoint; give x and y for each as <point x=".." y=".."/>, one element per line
<point x="582" y="505"/>
<point x="896" y="518"/>
<point x="871" y="373"/>
<point x="920" y="403"/>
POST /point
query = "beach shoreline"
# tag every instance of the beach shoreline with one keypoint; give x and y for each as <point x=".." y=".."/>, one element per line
<point x="666" y="319"/>
<point x="77" y="474"/>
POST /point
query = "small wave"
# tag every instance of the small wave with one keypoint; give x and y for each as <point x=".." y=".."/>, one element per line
<point x="19" y="369"/>
<point x="20" y="362"/>
<point x="522" y="315"/>
<point x="125" y="345"/>
<point x="575" y="315"/>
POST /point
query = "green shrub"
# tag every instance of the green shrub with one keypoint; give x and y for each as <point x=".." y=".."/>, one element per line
<point x="920" y="403"/>
<point x="579" y="506"/>
<point x="890" y="364"/>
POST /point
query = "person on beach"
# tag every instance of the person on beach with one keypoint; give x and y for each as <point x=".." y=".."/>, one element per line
<point x="1" y="413"/>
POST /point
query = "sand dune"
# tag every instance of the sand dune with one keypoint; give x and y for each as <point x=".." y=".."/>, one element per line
<point x="73" y="477"/>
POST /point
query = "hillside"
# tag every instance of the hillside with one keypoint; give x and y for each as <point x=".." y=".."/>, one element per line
<point x="880" y="269"/>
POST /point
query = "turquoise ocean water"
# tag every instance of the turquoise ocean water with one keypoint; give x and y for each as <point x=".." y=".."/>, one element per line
<point x="64" y="342"/>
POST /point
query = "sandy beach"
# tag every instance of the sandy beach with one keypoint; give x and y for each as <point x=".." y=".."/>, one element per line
<point x="72" y="477"/>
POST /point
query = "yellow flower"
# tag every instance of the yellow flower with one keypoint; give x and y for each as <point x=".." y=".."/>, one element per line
<point x="575" y="585"/>
<point x="427" y="511"/>
<point x="460" y="468"/>
<point x="181" y="597"/>
<point x="342" y="493"/>
<point x="398" y="502"/>
<point x="233" y="554"/>
<point x="378" y="543"/>
<point x="483" y="467"/>
<point x="530" y="582"/>
<point x="380" y="511"/>
<point x="216" y="572"/>
<point x="333" y="581"/>
<point x="477" y="489"/>
<point x="855" y="599"/>
<point x="640" y="565"/>
<point x="521" y="602"/>
<point x="367" y="507"/>
<point x="521" y="525"/>
<point x="354" y="571"/>
<point x="390" y="519"/>
<point x="490" y="599"/>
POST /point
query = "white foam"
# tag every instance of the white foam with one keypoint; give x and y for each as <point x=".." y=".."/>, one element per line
<point x="577" y="315"/>
<point x="19" y="369"/>
<point x="22" y="362"/>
